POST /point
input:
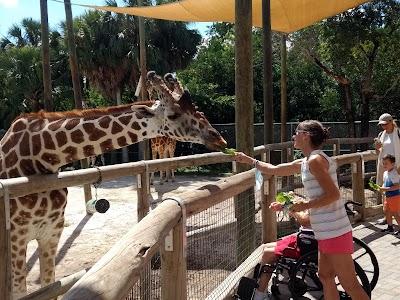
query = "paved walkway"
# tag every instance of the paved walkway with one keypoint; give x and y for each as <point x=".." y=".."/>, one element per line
<point x="387" y="250"/>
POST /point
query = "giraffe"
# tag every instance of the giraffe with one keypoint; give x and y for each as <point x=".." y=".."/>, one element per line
<point x="163" y="147"/>
<point x="41" y="143"/>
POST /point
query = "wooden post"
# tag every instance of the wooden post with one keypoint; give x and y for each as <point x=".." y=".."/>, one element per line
<point x="357" y="179"/>
<point x="44" y="22"/>
<point x="267" y="73"/>
<point x="5" y="247"/>
<point x="143" y="208"/>
<point x="290" y="157"/>
<point x="143" y="205"/>
<point x="269" y="228"/>
<point x="336" y="148"/>
<point x="283" y="88"/>
<point x="244" y="202"/>
<point x="173" y="263"/>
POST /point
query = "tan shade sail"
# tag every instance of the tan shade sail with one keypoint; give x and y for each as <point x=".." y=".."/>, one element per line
<point x="287" y="15"/>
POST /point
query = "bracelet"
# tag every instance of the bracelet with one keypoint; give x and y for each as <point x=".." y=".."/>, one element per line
<point x="255" y="163"/>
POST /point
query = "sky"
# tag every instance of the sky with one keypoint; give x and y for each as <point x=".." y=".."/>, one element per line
<point x="13" y="11"/>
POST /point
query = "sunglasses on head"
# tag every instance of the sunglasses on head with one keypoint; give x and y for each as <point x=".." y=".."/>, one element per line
<point x="301" y="131"/>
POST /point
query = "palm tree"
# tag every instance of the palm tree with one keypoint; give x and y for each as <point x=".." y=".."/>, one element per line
<point x="106" y="48"/>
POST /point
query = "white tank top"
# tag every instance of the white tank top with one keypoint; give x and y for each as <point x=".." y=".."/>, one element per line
<point x="329" y="221"/>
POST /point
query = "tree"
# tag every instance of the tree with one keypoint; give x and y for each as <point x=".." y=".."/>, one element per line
<point x="349" y="48"/>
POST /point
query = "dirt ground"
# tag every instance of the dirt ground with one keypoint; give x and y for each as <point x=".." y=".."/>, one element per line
<point x="88" y="237"/>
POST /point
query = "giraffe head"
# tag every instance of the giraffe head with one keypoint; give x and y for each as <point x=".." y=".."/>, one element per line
<point x="181" y="120"/>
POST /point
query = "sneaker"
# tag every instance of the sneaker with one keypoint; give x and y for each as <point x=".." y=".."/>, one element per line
<point x="388" y="229"/>
<point x="381" y="221"/>
<point x="397" y="232"/>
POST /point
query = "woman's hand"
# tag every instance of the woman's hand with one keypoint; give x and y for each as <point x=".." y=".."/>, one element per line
<point x="378" y="144"/>
<point x="240" y="157"/>
<point x="276" y="206"/>
<point x="300" y="206"/>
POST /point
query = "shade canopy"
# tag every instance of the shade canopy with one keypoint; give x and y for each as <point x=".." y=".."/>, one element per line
<point x="286" y="15"/>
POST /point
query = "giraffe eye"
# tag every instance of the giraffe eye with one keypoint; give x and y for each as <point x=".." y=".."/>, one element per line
<point x="174" y="116"/>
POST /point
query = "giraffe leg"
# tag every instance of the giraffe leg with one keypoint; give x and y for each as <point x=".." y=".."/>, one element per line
<point x="18" y="265"/>
<point x="171" y="154"/>
<point x="47" y="257"/>
<point x="162" y="178"/>
<point x="154" y="156"/>
<point x="167" y="174"/>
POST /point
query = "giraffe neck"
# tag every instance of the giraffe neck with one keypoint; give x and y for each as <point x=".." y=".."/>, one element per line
<point x="43" y="145"/>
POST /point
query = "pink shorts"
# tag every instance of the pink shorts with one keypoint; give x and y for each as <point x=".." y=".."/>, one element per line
<point x="342" y="244"/>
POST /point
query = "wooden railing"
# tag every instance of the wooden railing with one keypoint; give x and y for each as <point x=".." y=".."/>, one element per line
<point x="124" y="261"/>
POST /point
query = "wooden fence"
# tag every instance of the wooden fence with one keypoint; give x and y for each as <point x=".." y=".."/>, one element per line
<point x="116" y="272"/>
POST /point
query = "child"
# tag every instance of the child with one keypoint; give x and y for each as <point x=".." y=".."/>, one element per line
<point x="391" y="188"/>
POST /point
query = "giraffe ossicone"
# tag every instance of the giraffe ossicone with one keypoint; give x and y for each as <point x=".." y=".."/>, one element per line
<point x="41" y="143"/>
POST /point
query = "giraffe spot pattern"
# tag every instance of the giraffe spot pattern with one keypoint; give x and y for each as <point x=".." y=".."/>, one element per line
<point x="144" y="124"/>
<point x="144" y="133"/>
<point x="24" y="146"/>
<point x="106" y="146"/>
<point x="54" y="126"/>
<point x="50" y="158"/>
<point x="36" y="144"/>
<point x="19" y="264"/>
<point x="88" y="150"/>
<point x="116" y="128"/>
<point x="61" y="138"/>
<point x="104" y="122"/>
<point x="11" y="142"/>
<point x="133" y="137"/>
<point x="19" y="126"/>
<point x="124" y="120"/>
<point x="25" y="214"/>
<point x="122" y="141"/>
<point x="13" y="173"/>
<point x="28" y="201"/>
<point x="136" y="126"/>
<point x="71" y="124"/>
<point x="94" y="133"/>
<point x="27" y="167"/>
<point x="77" y="136"/>
<point x="36" y="125"/>
<point x="11" y="159"/>
<point x="71" y="153"/>
<point x="21" y="221"/>
<point x="58" y="199"/>
<point x="48" y="141"/>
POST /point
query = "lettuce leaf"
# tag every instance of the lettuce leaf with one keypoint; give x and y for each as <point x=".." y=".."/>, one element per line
<point x="229" y="151"/>
<point x="284" y="198"/>
<point x="373" y="185"/>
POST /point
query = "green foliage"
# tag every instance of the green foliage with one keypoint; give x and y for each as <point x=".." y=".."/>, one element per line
<point x="373" y="185"/>
<point x="284" y="198"/>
